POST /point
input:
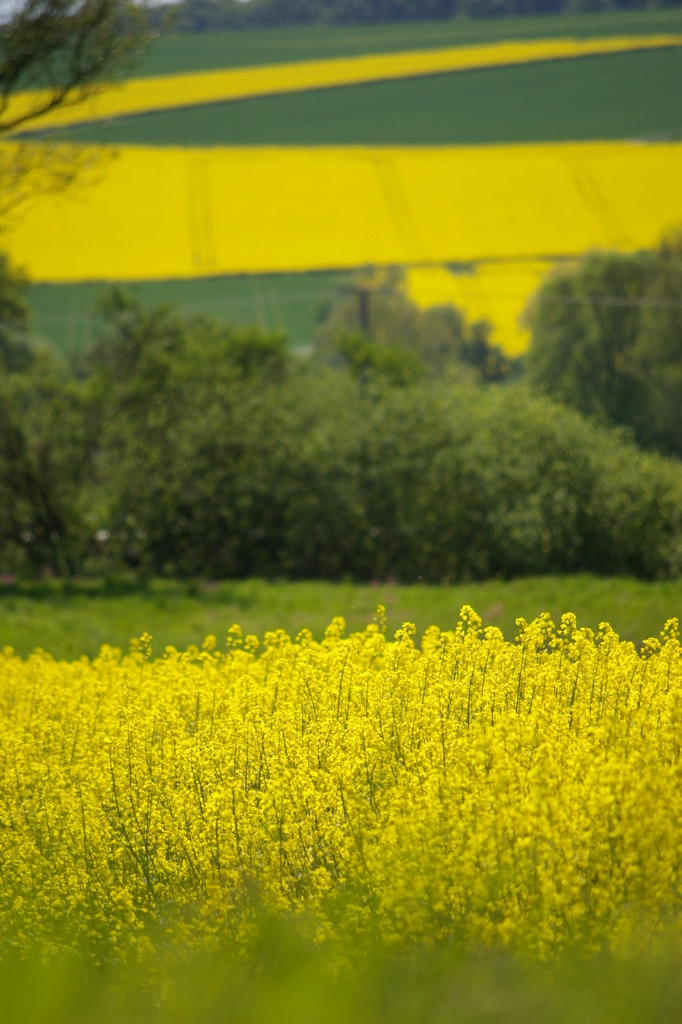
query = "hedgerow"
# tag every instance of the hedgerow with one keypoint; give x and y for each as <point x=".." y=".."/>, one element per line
<point x="181" y="447"/>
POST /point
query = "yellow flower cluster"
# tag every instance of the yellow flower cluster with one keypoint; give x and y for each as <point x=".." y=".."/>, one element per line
<point x="523" y="793"/>
<point x="143" y="95"/>
<point x="182" y="213"/>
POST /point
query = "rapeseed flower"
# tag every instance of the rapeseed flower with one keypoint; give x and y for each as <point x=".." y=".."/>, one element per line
<point x="522" y="794"/>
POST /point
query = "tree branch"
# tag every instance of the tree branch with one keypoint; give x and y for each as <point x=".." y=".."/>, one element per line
<point x="63" y="51"/>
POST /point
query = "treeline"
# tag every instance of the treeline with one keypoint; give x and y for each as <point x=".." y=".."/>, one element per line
<point x="215" y="15"/>
<point x="607" y="340"/>
<point x="181" y="446"/>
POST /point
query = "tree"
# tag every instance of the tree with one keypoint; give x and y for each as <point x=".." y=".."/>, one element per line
<point x="406" y="340"/>
<point x="46" y="447"/>
<point x="606" y="339"/>
<point x="15" y="353"/>
<point x="62" y="51"/>
<point x="56" y="53"/>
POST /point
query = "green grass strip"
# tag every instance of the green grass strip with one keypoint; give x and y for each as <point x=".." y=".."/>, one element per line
<point x="64" y="316"/>
<point x="73" y="618"/>
<point x="631" y="95"/>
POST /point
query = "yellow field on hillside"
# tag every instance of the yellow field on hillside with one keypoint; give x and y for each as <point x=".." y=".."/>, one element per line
<point x="182" y="213"/>
<point x="188" y="90"/>
<point x="496" y="292"/>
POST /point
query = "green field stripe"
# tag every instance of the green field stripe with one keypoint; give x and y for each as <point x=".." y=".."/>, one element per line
<point x="209" y="51"/>
<point x="76" y="618"/>
<point x="64" y="315"/>
<point x="629" y="95"/>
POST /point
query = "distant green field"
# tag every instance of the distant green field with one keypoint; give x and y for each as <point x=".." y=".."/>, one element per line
<point x="70" y="619"/>
<point x="64" y="315"/>
<point x="630" y="95"/>
<point x="201" y="52"/>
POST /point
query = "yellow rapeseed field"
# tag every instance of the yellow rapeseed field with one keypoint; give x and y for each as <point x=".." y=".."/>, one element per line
<point x="164" y="213"/>
<point x="497" y="292"/>
<point x="187" y="90"/>
<point x="524" y="794"/>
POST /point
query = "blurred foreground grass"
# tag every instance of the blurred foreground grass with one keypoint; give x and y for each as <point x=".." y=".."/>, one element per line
<point x="72" y="618"/>
<point x="290" y="980"/>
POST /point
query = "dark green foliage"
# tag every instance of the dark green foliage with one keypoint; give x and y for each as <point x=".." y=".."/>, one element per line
<point x="46" y="447"/>
<point x="315" y="476"/>
<point x="191" y="398"/>
<point x="607" y="339"/>
<point x="368" y="361"/>
<point x="16" y="353"/>
<point x="40" y="427"/>
<point x="183" y="447"/>
<point x="374" y="328"/>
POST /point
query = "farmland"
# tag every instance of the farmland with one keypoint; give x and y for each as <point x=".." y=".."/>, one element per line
<point x="182" y="53"/>
<point x="64" y="315"/>
<point x="265" y="210"/>
<point x="340" y="678"/>
<point x="251" y="210"/>
<point x="211" y="235"/>
<point x="463" y="793"/>
<point x="149" y="95"/>
<point x="638" y="98"/>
